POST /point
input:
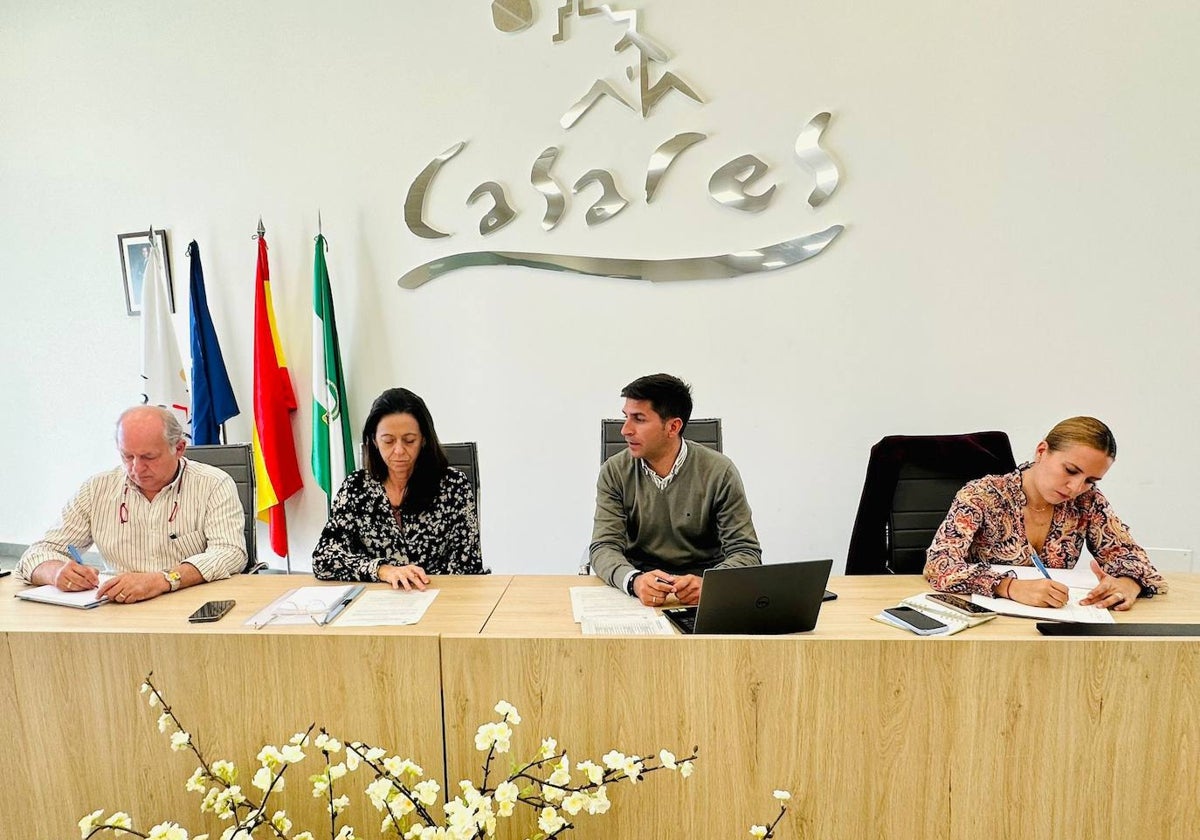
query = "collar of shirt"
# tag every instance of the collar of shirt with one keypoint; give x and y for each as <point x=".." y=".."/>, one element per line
<point x="661" y="482"/>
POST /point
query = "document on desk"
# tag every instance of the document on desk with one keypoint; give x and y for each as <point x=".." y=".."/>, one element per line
<point x="305" y="605"/>
<point x="50" y="594"/>
<point x="1073" y="612"/>
<point x="616" y="626"/>
<point x="387" y="608"/>
<point x="606" y="602"/>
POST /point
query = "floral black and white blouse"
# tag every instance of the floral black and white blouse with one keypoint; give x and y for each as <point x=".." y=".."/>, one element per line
<point x="362" y="533"/>
<point x="986" y="526"/>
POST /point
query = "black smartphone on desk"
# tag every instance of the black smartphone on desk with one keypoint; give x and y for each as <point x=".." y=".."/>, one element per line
<point x="212" y="611"/>
<point x="5" y="572"/>
<point x="959" y="605"/>
<point x="915" y="620"/>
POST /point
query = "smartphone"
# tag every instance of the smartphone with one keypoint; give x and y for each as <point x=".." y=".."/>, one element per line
<point x="5" y="572"/>
<point x="959" y="605"/>
<point x="212" y="611"/>
<point x="829" y="596"/>
<point x="915" y="620"/>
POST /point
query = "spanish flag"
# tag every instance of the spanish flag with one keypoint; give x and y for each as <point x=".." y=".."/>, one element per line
<point x="275" y="465"/>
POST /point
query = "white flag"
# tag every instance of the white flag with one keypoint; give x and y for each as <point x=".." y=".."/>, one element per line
<point x="164" y="381"/>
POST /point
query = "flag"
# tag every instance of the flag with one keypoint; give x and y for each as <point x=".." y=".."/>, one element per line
<point x="164" y="381"/>
<point x="332" y="449"/>
<point x="275" y="464"/>
<point x="212" y="395"/>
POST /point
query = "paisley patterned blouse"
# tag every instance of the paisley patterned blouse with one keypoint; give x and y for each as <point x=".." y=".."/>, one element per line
<point x="362" y="533"/>
<point x="986" y="525"/>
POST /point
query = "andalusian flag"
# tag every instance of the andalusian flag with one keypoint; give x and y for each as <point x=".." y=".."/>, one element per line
<point x="332" y="449"/>
<point x="275" y="464"/>
<point x="164" y="382"/>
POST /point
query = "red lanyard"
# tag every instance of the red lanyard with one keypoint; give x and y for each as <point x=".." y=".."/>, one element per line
<point x="123" y="508"/>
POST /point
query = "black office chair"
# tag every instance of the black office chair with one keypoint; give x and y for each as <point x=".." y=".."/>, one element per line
<point x="463" y="457"/>
<point x="706" y="432"/>
<point x="910" y="483"/>
<point x="237" y="459"/>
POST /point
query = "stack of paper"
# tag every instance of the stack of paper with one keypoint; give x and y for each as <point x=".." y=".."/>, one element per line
<point x="604" y="611"/>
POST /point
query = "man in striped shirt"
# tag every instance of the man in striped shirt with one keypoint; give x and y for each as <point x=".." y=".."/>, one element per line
<point x="160" y="521"/>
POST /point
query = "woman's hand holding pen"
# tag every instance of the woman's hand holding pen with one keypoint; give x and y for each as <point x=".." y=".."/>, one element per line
<point x="1113" y="593"/>
<point x="1042" y="592"/>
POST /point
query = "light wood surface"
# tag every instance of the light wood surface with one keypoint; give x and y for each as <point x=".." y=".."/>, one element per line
<point x="994" y="732"/>
<point x="81" y="737"/>
<point x="463" y="605"/>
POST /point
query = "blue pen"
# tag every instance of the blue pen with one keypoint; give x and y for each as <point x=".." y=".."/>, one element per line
<point x="1037" y="561"/>
<point x="337" y="608"/>
<point x="75" y="554"/>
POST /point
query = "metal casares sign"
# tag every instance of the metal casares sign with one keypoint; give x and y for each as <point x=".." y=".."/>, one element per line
<point x="728" y="185"/>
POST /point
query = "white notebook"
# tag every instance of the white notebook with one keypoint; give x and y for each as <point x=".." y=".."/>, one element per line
<point x="50" y="594"/>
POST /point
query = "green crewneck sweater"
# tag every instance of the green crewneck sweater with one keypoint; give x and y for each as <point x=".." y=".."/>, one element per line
<point x="701" y="520"/>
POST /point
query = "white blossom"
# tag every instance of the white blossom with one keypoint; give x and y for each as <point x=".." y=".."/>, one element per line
<point x="225" y="771"/>
<point x="197" y="780"/>
<point x="550" y="821"/>
<point x="167" y="831"/>
<point x="380" y="792"/>
<point x="598" y="802"/>
<point x="264" y="778"/>
<point x="352" y="760"/>
<point x="93" y="819"/>
<point x="575" y="802"/>
<point x="300" y="739"/>
<point x="595" y="772"/>
<point x="180" y="740"/>
<point x="613" y="760"/>
<point x="164" y="721"/>
<point x="549" y="748"/>
<point x="758" y="831"/>
<point x="338" y="805"/>
<point x="281" y="823"/>
<point x="291" y="753"/>
<point x="375" y="753"/>
<point x="119" y="820"/>
<point x="667" y="759"/>
<point x="426" y="792"/>
<point x="686" y="769"/>
<point x="398" y="766"/>
<point x="632" y="768"/>
<point x="508" y="711"/>
<point x="782" y="795"/>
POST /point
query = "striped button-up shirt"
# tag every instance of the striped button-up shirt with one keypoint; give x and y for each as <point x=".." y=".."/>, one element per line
<point x="195" y="519"/>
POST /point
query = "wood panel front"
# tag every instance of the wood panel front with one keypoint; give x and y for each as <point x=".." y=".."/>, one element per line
<point x="995" y="732"/>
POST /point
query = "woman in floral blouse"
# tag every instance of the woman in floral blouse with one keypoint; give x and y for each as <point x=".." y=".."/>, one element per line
<point x="406" y="516"/>
<point x="1050" y="506"/>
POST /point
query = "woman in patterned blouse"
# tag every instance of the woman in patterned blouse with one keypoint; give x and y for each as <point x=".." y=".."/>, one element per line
<point x="406" y="516"/>
<point x="1050" y="507"/>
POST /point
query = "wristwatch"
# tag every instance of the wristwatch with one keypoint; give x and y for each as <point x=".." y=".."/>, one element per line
<point x="173" y="578"/>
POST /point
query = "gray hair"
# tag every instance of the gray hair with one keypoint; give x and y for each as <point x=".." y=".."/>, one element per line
<point x="172" y="430"/>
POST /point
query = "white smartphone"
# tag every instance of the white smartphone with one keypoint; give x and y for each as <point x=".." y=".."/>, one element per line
<point x="915" y="620"/>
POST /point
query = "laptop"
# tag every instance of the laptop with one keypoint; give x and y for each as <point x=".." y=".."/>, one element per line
<point x="757" y="600"/>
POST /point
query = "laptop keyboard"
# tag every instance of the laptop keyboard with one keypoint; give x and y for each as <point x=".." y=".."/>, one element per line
<point x="682" y="617"/>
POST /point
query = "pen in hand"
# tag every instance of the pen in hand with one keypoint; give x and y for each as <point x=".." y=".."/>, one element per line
<point x="1041" y="567"/>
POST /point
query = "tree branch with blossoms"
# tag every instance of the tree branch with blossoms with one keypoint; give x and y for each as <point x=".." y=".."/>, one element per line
<point x="547" y="784"/>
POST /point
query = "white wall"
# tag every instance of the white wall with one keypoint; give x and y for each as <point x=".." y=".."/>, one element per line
<point x="1019" y="191"/>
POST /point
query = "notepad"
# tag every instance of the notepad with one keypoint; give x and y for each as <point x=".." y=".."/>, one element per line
<point x="50" y="594"/>
<point x="387" y="608"/>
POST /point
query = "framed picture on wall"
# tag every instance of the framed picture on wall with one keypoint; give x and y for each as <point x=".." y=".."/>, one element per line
<point x="135" y="249"/>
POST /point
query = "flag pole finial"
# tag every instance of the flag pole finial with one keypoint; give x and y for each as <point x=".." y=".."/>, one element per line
<point x="319" y="231"/>
<point x="262" y="231"/>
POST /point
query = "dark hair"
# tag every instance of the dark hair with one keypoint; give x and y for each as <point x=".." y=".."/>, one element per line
<point x="1087" y="431"/>
<point x="668" y="395"/>
<point x="431" y="462"/>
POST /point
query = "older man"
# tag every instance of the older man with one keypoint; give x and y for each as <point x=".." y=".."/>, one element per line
<point x="160" y="521"/>
<point x="666" y="511"/>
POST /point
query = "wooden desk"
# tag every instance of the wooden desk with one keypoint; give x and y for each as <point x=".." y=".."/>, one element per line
<point x="81" y="737"/>
<point x="995" y="732"/>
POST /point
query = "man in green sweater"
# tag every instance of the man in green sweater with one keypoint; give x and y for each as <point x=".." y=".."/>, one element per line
<point x="666" y="511"/>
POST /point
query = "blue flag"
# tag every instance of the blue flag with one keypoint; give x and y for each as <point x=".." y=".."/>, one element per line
<point x="212" y="396"/>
